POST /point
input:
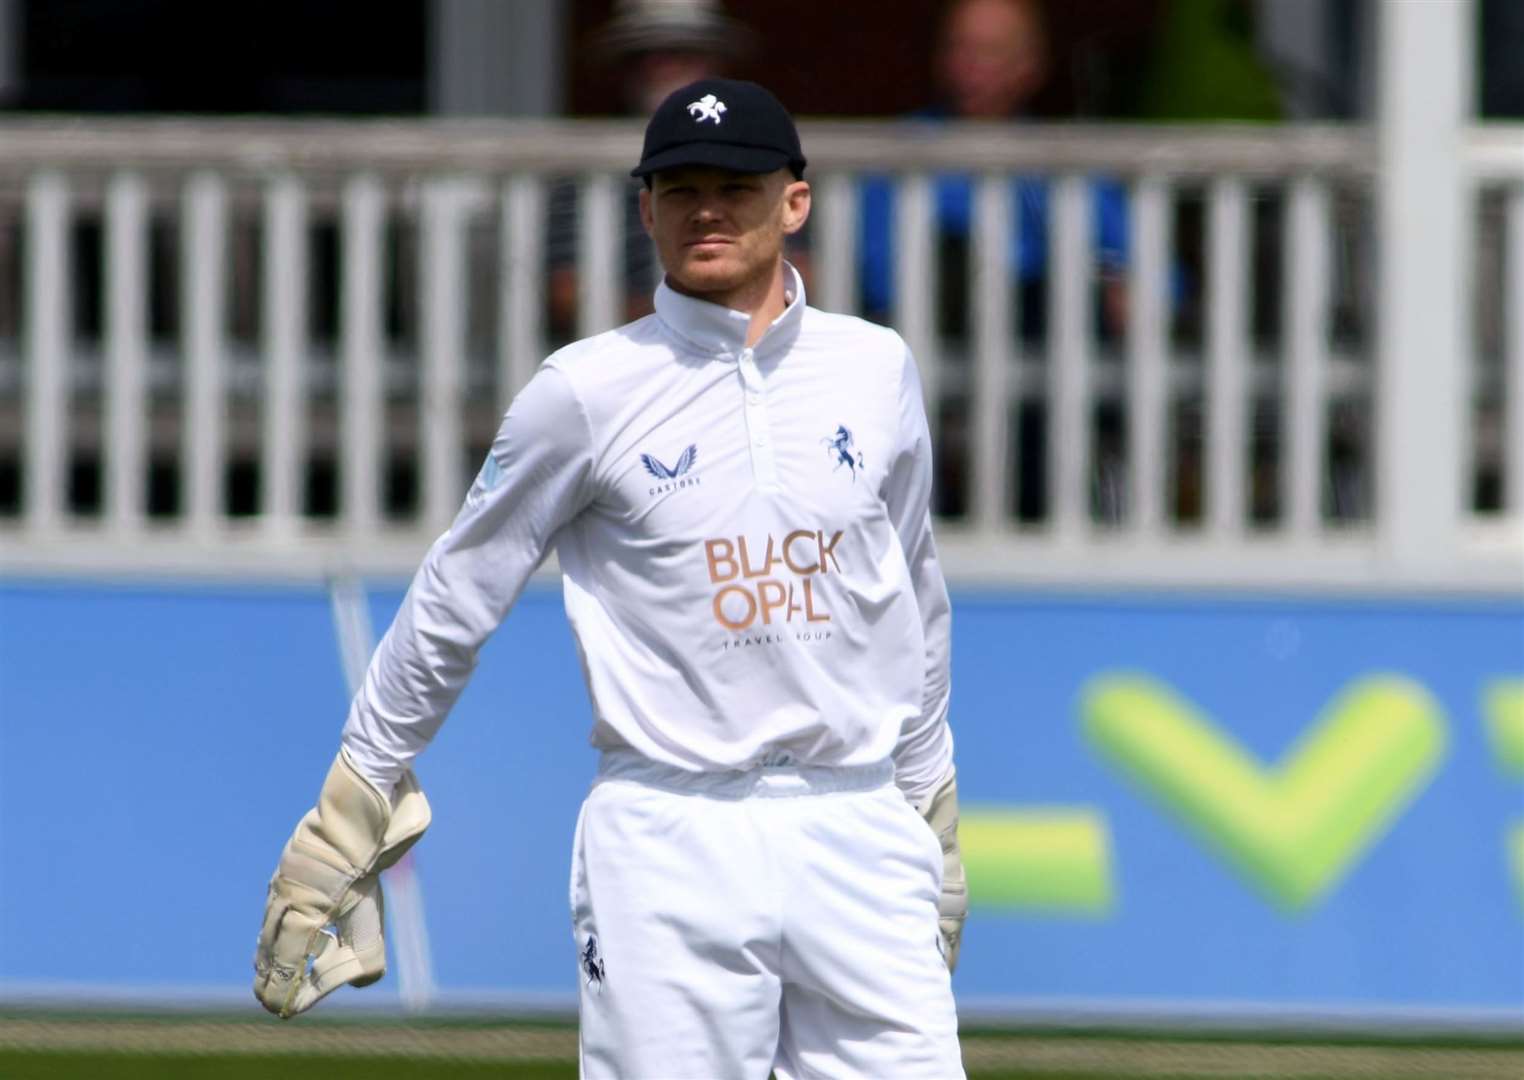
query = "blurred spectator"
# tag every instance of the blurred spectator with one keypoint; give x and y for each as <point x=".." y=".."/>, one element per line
<point x="665" y="44"/>
<point x="660" y="45"/>
<point x="992" y="60"/>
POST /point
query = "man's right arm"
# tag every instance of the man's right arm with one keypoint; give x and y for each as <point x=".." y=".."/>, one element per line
<point x="536" y="478"/>
<point x="323" y="926"/>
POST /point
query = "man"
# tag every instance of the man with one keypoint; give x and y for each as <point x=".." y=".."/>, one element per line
<point x="662" y="45"/>
<point x="737" y="489"/>
<point x="991" y="63"/>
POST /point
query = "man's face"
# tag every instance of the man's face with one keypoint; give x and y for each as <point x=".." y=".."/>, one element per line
<point x="719" y="232"/>
<point x="992" y="58"/>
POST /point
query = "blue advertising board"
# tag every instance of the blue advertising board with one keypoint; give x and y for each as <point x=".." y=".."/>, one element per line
<point x="1193" y="801"/>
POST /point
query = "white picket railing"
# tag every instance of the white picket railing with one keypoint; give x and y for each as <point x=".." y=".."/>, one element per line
<point x="352" y="447"/>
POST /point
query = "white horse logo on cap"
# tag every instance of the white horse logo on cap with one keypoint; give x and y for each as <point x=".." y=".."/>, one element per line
<point x="707" y="107"/>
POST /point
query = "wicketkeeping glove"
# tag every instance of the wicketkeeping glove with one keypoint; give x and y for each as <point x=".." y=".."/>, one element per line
<point x="323" y="918"/>
<point x="941" y="813"/>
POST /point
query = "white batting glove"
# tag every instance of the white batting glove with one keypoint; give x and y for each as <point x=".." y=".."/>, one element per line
<point x="323" y="918"/>
<point x="941" y="813"/>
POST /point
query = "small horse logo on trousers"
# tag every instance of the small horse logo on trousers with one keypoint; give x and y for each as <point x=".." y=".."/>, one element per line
<point x="592" y="964"/>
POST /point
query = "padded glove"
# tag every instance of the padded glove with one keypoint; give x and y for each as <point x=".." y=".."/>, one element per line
<point x="324" y="915"/>
<point x="941" y="813"/>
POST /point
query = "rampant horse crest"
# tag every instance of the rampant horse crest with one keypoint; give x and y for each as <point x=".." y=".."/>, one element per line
<point x="592" y="965"/>
<point x="842" y="449"/>
<point x="707" y="107"/>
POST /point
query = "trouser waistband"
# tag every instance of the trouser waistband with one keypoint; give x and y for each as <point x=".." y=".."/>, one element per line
<point x="773" y="780"/>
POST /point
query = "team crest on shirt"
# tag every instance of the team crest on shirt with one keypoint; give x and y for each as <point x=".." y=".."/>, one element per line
<point x="490" y="475"/>
<point x="671" y="477"/>
<point x="843" y="451"/>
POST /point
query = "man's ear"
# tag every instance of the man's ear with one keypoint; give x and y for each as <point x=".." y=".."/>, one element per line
<point x="646" y="219"/>
<point x="796" y="206"/>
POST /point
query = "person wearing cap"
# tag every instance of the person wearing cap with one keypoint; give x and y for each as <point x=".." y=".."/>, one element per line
<point x="765" y="874"/>
<point x="662" y="45"/>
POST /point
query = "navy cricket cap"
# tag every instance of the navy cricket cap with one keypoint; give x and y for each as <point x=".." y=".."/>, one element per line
<point x="724" y="123"/>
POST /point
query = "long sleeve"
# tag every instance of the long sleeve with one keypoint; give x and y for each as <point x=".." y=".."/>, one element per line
<point x="924" y="751"/>
<point x="535" y="480"/>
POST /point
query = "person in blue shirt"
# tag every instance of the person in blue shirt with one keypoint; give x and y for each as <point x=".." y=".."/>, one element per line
<point x="991" y="62"/>
<point x="953" y="195"/>
<point x="992" y="59"/>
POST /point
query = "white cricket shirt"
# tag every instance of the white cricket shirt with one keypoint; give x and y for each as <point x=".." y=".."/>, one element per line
<point x="744" y="540"/>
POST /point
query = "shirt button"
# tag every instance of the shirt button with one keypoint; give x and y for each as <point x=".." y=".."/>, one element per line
<point x="754" y="399"/>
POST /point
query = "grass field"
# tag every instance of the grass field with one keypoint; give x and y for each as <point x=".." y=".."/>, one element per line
<point x="55" y="1046"/>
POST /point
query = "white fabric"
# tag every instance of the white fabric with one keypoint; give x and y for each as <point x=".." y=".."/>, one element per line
<point x="782" y="918"/>
<point x="776" y="591"/>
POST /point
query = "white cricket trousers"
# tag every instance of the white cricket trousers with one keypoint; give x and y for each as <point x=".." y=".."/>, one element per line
<point x="783" y="918"/>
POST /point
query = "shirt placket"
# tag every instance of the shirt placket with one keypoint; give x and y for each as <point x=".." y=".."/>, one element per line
<point x="758" y="427"/>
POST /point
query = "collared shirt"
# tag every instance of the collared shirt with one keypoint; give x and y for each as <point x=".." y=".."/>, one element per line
<point x="744" y="541"/>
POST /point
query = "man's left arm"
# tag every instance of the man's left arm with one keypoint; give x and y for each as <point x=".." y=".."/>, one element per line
<point x="923" y="756"/>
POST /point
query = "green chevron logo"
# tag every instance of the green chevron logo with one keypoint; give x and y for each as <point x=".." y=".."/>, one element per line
<point x="1044" y="860"/>
<point x="1503" y="706"/>
<point x="1292" y="830"/>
